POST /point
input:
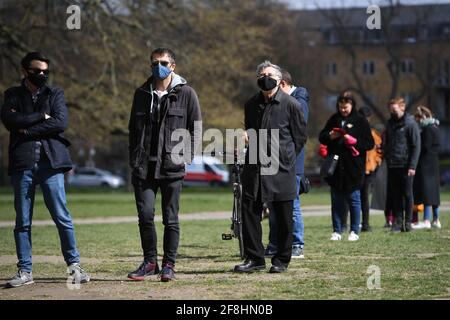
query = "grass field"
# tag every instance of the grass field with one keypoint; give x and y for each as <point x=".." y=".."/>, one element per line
<point x="412" y="265"/>
<point x="107" y="202"/>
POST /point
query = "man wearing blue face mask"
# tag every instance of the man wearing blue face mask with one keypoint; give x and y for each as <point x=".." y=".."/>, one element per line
<point x="162" y="105"/>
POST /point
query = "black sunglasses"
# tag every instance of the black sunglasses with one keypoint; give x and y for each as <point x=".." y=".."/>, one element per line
<point x="38" y="71"/>
<point x="163" y="63"/>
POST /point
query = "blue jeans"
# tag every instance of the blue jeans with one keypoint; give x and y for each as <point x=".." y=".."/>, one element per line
<point x="52" y="186"/>
<point x="427" y="213"/>
<point x="338" y="209"/>
<point x="298" y="228"/>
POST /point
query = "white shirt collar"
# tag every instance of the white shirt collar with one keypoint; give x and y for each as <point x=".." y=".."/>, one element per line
<point x="292" y="89"/>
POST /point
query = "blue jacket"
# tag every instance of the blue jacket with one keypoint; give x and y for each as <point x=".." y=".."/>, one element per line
<point x="19" y="112"/>
<point x="302" y="96"/>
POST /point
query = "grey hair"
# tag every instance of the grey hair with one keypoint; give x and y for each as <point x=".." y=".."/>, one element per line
<point x="267" y="64"/>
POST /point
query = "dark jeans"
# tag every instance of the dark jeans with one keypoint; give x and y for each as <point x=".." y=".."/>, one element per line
<point x="252" y="230"/>
<point x="51" y="182"/>
<point x="400" y="188"/>
<point x="365" y="191"/>
<point x="145" y="193"/>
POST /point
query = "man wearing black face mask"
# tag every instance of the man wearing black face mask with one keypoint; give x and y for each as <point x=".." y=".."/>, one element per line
<point x="36" y="116"/>
<point x="270" y="109"/>
<point x="165" y="103"/>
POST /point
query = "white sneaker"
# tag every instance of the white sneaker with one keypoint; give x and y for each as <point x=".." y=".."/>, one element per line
<point x="436" y="224"/>
<point x="422" y="225"/>
<point x="22" y="278"/>
<point x="78" y="274"/>
<point x="353" y="236"/>
<point x="335" y="236"/>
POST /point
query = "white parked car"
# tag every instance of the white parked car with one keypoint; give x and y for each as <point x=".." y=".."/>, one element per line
<point x="93" y="177"/>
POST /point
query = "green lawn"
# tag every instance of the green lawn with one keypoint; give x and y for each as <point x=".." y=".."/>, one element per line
<point x="412" y="265"/>
<point x="105" y="202"/>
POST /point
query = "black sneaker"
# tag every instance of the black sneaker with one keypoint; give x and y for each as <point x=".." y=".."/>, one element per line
<point x="168" y="272"/>
<point x="144" y="270"/>
<point x="408" y="227"/>
<point x="366" y="229"/>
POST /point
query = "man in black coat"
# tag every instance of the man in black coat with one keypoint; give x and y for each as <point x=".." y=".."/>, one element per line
<point x="402" y="151"/>
<point x="36" y="116"/>
<point x="162" y="106"/>
<point x="302" y="96"/>
<point x="273" y="114"/>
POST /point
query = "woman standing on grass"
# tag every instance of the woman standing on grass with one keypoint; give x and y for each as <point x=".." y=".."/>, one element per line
<point x="426" y="182"/>
<point x="347" y="135"/>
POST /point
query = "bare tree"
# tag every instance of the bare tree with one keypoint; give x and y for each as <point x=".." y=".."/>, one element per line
<point x="393" y="44"/>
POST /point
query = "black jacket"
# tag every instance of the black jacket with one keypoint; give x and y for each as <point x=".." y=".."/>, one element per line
<point x="179" y="110"/>
<point x="350" y="170"/>
<point x="282" y="113"/>
<point x="402" y="142"/>
<point x="19" y="112"/>
<point x="427" y="178"/>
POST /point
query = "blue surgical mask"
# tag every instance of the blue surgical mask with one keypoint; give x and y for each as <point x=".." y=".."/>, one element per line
<point x="161" y="72"/>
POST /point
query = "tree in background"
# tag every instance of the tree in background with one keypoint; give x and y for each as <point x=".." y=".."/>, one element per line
<point x="218" y="45"/>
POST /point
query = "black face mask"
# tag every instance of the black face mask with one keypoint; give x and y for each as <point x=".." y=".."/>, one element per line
<point x="39" y="80"/>
<point x="267" y="83"/>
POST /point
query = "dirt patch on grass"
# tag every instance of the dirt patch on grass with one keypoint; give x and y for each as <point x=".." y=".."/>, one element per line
<point x="107" y="288"/>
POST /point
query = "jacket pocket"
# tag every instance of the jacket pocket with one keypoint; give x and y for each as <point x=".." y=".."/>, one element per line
<point x="175" y="117"/>
<point x="170" y="165"/>
<point x="174" y="120"/>
<point x="287" y="156"/>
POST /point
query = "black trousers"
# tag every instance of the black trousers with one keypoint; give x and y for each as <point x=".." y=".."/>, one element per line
<point x="365" y="191"/>
<point x="145" y="193"/>
<point x="252" y="230"/>
<point x="400" y="189"/>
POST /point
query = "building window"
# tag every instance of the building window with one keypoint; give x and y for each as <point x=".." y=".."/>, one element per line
<point x="371" y="97"/>
<point x="423" y="32"/>
<point x="408" y="96"/>
<point x="445" y="31"/>
<point x="369" y="67"/>
<point x="332" y="37"/>
<point x="444" y="73"/>
<point x="442" y="107"/>
<point x="331" y="69"/>
<point x="407" y="66"/>
<point x="331" y="102"/>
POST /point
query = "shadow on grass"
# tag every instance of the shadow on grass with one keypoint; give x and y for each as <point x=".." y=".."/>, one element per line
<point x="60" y="280"/>
<point x="206" y="257"/>
<point x="199" y="272"/>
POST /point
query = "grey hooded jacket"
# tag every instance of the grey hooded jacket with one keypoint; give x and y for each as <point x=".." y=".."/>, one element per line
<point x="179" y="109"/>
